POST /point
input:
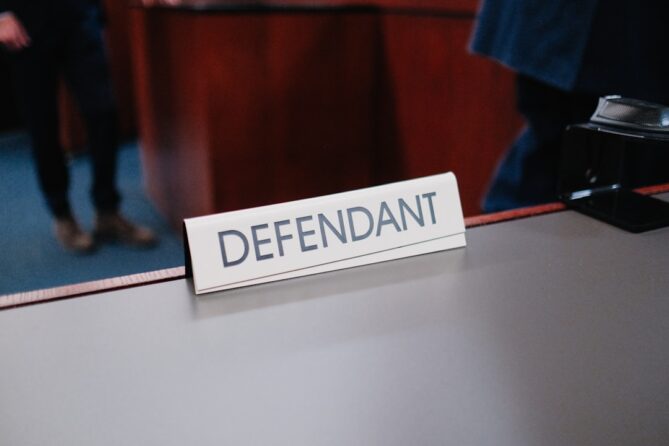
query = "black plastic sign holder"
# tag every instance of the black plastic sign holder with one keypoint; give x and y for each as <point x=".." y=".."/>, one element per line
<point x="600" y="166"/>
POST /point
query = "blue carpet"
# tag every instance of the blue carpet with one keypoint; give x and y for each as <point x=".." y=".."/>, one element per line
<point x="30" y="258"/>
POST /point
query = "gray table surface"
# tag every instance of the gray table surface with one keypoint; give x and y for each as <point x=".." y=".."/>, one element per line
<point x="552" y="330"/>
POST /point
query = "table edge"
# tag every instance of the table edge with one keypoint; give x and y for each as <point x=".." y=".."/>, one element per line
<point x="151" y="277"/>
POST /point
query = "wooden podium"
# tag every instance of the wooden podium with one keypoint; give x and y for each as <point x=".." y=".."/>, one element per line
<point x="243" y="104"/>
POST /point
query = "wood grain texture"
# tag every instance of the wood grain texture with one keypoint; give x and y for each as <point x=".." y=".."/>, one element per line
<point x="86" y="288"/>
<point x="653" y="190"/>
<point x="246" y="109"/>
<point x="453" y="111"/>
<point x="82" y="289"/>
<point x="513" y="214"/>
<point x="173" y="103"/>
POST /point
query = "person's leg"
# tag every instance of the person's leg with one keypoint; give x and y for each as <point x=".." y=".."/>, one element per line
<point x="528" y="174"/>
<point x="88" y="77"/>
<point x="36" y="74"/>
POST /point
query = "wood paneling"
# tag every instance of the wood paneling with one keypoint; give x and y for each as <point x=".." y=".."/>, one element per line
<point x="245" y="108"/>
<point x="173" y="104"/>
<point x="453" y="111"/>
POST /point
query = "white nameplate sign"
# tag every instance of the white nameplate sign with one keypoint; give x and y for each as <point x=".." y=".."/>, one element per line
<point x="299" y="238"/>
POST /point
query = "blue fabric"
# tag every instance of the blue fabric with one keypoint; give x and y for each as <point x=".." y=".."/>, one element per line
<point x="542" y="39"/>
<point x="528" y="175"/>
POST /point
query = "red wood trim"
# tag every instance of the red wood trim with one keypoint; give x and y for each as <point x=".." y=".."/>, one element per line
<point x="653" y="190"/>
<point x="117" y="283"/>
<point x="514" y="214"/>
<point x="85" y="288"/>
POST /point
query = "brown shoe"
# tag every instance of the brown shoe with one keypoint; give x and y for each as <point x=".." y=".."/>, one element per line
<point x="113" y="227"/>
<point x="71" y="237"/>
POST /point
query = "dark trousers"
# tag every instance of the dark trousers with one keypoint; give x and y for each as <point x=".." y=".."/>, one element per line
<point x="69" y="47"/>
<point x="528" y="174"/>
